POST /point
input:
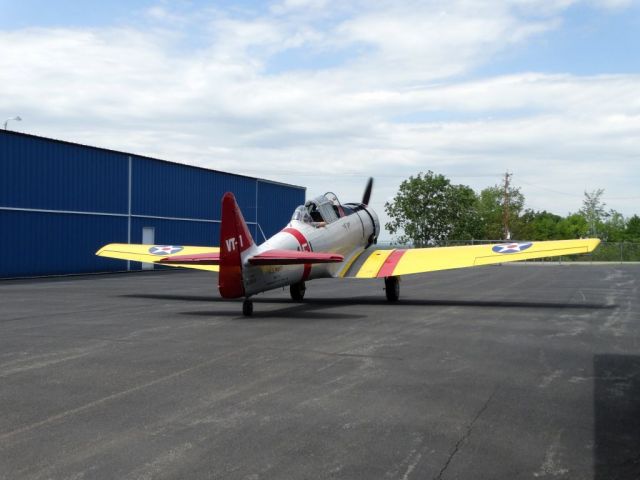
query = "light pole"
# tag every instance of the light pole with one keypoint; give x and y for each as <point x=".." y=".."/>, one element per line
<point x="16" y="118"/>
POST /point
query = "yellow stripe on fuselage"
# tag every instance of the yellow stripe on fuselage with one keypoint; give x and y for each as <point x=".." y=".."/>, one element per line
<point x="373" y="264"/>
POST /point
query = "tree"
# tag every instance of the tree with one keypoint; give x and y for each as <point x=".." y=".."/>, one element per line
<point x="613" y="228"/>
<point x="427" y="209"/>
<point x="467" y="224"/>
<point x="490" y="205"/>
<point x="534" y="225"/>
<point x="593" y="210"/>
<point x="632" y="231"/>
<point x="572" y="226"/>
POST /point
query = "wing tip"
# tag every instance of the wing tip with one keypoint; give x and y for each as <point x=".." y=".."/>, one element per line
<point x="592" y="243"/>
<point x="102" y="249"/>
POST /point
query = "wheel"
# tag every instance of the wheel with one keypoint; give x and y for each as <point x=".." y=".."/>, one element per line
<point x="392" y="288"/>
<point x="247" y="308"/>
<point x="297" y="291"/>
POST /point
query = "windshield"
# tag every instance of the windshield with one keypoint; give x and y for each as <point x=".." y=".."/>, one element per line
<point x="320" y="210"/>
<point x="301" y="214"/>
<point x="317" y="212"/>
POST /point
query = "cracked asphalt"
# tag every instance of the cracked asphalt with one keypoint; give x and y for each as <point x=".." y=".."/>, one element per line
<point x="506" y="372"/>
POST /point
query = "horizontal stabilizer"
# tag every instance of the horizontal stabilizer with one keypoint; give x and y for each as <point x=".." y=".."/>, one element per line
<point x="209" y="258"/>
<point x="292" y="257"/>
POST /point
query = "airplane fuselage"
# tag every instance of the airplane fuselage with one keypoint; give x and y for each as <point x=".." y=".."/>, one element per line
<point x="348" y="236"/>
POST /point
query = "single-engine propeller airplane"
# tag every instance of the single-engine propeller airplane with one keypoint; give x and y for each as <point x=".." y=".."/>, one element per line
<point x="325" y="239"/>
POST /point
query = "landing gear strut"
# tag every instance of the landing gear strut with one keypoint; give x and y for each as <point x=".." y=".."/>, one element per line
<point x="297" y="291"/>
<point x="247" y="308"/>
<point x="392" y="288"/>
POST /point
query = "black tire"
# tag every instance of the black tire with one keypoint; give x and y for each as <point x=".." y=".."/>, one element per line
<point x="392" y="288"/>
<point x="297" y="291"/>
<point x="247" y="308"/>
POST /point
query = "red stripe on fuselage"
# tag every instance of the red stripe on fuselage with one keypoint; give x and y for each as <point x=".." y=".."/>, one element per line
<point x="390" y="263"/>
<point x="304" y="246"/>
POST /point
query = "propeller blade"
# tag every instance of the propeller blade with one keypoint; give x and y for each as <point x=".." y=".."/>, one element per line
<point x="367" y="192"/>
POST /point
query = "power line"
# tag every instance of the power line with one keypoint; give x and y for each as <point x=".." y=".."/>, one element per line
<point x="550" y="190"/>
<point x="575" y="195"/>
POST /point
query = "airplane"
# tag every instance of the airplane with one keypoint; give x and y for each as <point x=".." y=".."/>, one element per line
<point x="325" y="239"/>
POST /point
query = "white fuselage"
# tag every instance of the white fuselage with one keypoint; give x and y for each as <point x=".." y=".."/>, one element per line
<point x="347" y="236"/>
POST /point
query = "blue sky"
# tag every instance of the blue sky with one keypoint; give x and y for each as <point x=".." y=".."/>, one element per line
<point x="590" y="39"/>
<point x="547" y="89"/>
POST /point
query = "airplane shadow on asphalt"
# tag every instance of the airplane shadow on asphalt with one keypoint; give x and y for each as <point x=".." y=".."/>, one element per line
<point x="308" y="306"/>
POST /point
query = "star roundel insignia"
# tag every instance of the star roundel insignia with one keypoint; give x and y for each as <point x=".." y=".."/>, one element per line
<point x="164" y="249"/>
<point x="511" y="247"/>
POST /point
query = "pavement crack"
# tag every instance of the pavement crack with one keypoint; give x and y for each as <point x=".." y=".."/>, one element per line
<point x="334" y="354"/>
<point x="465" y="435"/>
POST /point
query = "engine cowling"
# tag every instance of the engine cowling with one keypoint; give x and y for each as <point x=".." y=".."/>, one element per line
<point x="376" y="225"/>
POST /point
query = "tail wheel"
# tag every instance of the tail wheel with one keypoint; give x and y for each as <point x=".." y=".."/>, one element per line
<point x="297" y="291"/>
<point x="247" y="308"/>
<point x="392" y="288"/>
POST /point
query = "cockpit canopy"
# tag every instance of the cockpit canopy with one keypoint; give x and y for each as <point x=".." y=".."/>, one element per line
<point x="320" y="210"/>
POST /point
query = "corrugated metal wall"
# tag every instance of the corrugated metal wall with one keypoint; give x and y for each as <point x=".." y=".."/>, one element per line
<point x="44" y="174"/>
<point x="275" y="206"/>
<point x="36" y="243"/>
<point x="59" y="202"/>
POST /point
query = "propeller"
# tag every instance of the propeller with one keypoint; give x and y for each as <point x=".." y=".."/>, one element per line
<point x="367" y="192"/>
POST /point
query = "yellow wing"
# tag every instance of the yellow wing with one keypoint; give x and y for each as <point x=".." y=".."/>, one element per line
<point x="155" y="253"/>
<point x="385" y="263"/>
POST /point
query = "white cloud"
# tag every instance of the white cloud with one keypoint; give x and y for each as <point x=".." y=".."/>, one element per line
<point x="390" y="109"/>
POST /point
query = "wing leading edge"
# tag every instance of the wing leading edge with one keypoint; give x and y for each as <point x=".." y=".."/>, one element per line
<point x="386" y="263"/>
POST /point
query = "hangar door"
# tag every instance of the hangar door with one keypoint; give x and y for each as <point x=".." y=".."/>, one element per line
<point x="148" y="238"/>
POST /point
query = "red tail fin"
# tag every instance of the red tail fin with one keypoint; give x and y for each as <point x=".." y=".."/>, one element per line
<point x="234" y="239"/>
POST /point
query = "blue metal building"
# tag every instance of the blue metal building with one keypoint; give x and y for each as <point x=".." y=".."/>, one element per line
<point x="61" y="201"/>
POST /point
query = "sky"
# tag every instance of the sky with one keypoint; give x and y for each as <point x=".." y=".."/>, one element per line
<point x="325" y="94"/>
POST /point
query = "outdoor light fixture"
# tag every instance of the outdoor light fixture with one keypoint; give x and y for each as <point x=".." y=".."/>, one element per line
<point x="16" y="118"/>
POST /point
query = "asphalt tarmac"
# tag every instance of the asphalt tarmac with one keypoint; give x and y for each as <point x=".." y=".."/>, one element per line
<point x="515" y="371"/>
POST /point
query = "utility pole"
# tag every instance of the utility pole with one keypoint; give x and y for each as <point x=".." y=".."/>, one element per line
<point x="505" y="206"/>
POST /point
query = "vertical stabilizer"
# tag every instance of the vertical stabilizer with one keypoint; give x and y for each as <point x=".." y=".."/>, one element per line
<point x="234" y="240"/>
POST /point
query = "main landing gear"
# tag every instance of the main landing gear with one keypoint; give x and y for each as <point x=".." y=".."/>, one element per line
<point x="392" y="288"/>
<point x="247" y="308"/>
<point x="297" y="291"/>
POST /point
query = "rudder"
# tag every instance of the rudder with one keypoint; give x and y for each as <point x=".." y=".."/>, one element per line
<point x="234" y="240"/>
